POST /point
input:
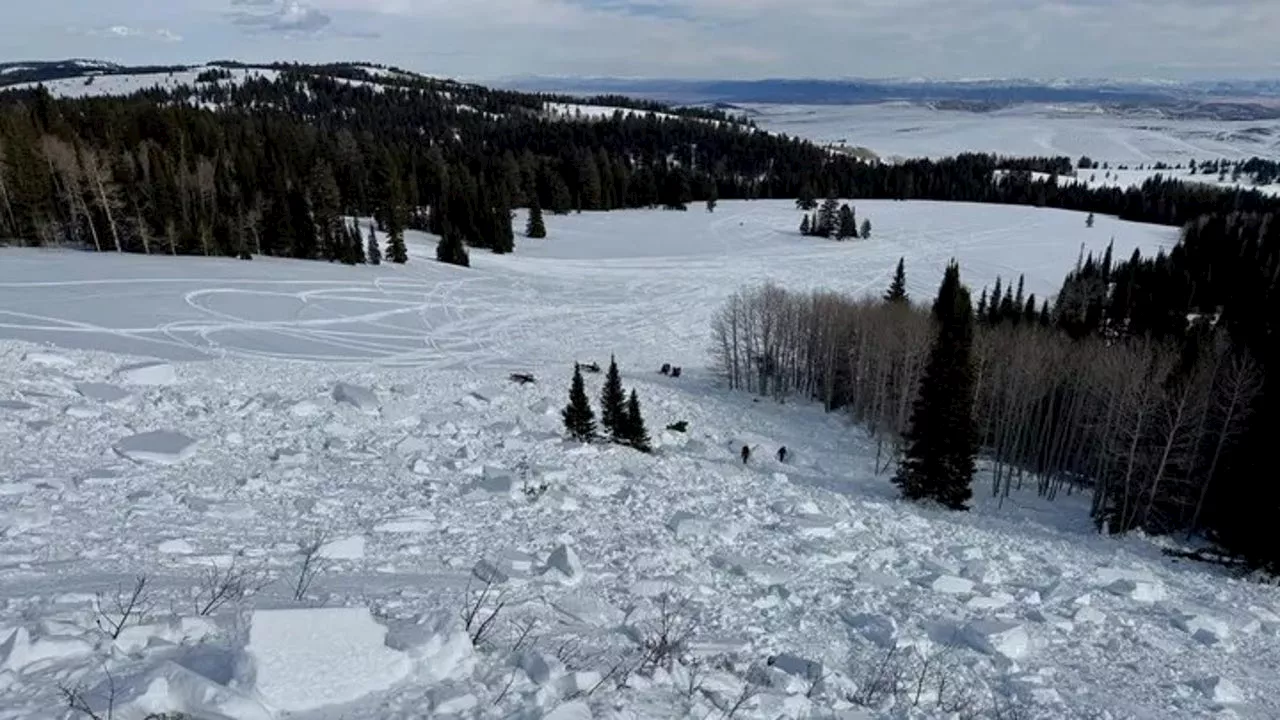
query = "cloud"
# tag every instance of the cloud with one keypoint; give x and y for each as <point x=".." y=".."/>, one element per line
<point x="288" y="16"/>
<point x="126" y="31"/>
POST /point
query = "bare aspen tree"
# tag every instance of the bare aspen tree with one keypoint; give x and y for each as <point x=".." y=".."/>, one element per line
<point x="1241" y="384"/>
<point x="5" y="200"/>
<point x="99" y="177"/>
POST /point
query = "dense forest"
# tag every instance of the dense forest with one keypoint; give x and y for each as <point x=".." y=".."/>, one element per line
<point x="240" y="164"/>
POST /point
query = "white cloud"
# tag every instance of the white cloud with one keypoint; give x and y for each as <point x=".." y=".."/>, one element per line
<point x="125" y="31"/>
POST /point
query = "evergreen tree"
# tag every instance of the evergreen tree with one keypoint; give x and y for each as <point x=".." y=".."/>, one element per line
<point x="579" y="419"/>
<point x="866" y="229"/>
<point x="504" y="239"/>
<point x="806" y="200"/>
<point x="993" y="304"/>
<point x="613" y="403"/>
<point x="634" y="432"/>
<point x="451" y="249"/>
<point x="1088" y="222"/>
<point x="804" y="226"/>
<point x="982" y="306"/>
<point x="829" y="216"/>
<point x="897" y="292"/>
<point x="942" y="441"/>
<point x="373" y="254"/>
<point x="536" y="227"/>
<point x="395" y="225"/>
<point x="711" y="204"/>
<point x="847" y="224"/>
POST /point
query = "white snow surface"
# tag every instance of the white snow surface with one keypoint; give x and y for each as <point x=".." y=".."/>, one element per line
<point x="794" y="579"/>
<point x="128" y="83"/>
<point x="903" y="130"/>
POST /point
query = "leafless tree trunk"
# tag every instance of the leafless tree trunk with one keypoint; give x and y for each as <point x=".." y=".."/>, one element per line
<point x="99" y="176"/>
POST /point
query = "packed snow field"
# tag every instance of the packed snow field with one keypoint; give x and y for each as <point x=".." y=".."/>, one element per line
<point x="796" y="589"/>
<point x="901" y="130"/>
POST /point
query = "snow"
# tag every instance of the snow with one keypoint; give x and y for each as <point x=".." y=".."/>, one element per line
<point x="307" y="659"/>
<point x="361" y="398"/>
<point x="150" y="374"/>
<point x="815" y="564"/>
<point x="128" y="83"/>
<point x="901" y="130"/>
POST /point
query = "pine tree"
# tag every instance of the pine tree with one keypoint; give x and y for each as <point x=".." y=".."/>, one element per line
<point x="613" y="403"/>
<point x="804" y="226"/>
<point x="829" y="216"/>
<point x="355" y="244"/>
<point x="942" y="441"/>
<point x="897" y="292"/>
<point x="396" y="251"/>
<point x="634" y="432"/>
<point x="1088" y="222"/>
<point x="536" y="227"/>
<point x="504" y="238"/>
<point x="373" y="254"/>
<point x="806" y="200"/>
<point x="711" y="204"/>
<point x="866" y="229"/>
<point x="847" y="223"/>
<point x="579" y="419"/>
<point x="451" y="250"/>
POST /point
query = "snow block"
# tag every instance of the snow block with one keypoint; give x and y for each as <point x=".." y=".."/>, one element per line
<point x="180" y="688"/>
<point x="1220" y="690"/>
<point x="798" y="666"/>
<point x="535" y="665"/>
<point x="578" y="682"/>
<point x="438" y="645"/>
<point x="102" y="392"/>
<point x="15" y="405"/>
<point x="1208" y="630"/>
<point x="20" y="653"/>
<point x="1147" y="591"/>
<point x="879" y="629"/>
<point x="499" y="481"/>
<point x="1087" y="615"/>
<point x="565" y="564"/>
<point x="487" y="572"/>
<point x="948" y="584"/>
<point x="163" y="447"/>
<point x="152" y="374"/>
<point x="348" y="548"/>
<point x="177" y="546"/>
<point x="49" y="360"/>
<point x="307" y="659"/>
<point x="687" y="525"/>
<point x="360" y="398"/>
<point x="995" y="637"/>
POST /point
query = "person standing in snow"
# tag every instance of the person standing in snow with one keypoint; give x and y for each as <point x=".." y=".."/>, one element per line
<point x="746" y="454"/>
<point x="782" y="454"/>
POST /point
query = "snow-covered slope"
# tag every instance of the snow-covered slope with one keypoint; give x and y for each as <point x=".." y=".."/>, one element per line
<point x="795" y="590"/>
<point x="97" y="85"/>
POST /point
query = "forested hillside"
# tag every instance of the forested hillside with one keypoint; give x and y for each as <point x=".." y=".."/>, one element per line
<point x="240" y="163"/>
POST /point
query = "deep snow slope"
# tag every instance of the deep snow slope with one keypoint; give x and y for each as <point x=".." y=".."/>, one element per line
<point x="802" y="589"/>
<point x="905" y="130"/>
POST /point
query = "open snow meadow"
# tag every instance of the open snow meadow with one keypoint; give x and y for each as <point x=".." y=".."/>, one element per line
<point x="342" y="506"/>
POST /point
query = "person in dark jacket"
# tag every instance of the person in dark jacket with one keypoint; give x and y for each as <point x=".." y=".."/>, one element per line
<point x="746" y="454"/>
<point x="782" y="454"/>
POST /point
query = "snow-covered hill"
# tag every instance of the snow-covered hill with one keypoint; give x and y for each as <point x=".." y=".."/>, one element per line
<point x="368" y="413"/>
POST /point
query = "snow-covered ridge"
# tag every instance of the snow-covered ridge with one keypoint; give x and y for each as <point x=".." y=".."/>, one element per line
<point x="107" y="85"/>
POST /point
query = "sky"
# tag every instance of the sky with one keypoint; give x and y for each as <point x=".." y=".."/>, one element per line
<point x="731" y="39"/>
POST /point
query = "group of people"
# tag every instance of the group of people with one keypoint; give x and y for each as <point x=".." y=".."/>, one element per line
<point x="746" y="454"/>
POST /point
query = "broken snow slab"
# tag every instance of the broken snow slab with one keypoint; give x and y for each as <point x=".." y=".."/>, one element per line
<point x="1207" y="629"/>
<point x="50" y="360"/>
<point x="102" y="392"/>
<point x="348" y="548"/>
<point x="1219" y="690"/>
<point x="947" y="584"/>
<point x="999" y="638"/>
<point x="153" y="374"/>
<point x="163" y="447"/>
<point x="308" y="659"/>
<point x="15" y="405"/>
<point x="358" y="397"/>
<point x="688" y="526"/>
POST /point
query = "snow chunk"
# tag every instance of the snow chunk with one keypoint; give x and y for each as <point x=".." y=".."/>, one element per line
<point x="687" y="525"/>
<point x="879" y="629"/>
<point x="305" y="409"/>
<point x="158" y="446"/>
<point x="1208" y="630"/>
<point x="1149" y="591"/>
<point x="798" y="666"/>
<point x="488" y="573"/>
<point x="1090" y="616"/>
<point x="176" y="547"/>
<point x="15" y="405"/>
<point x="438" y="645"/>
<point x="1219" y="690"/>
<point x="949" y="584"/>
<point x="18" y="652"/>
<point x="565" y="562"/>
<point x="150" y="374"/>
<point x="49" y="360"/>
<point x="102" y="392"/>
<point x="995" y="637"/>
<point x="82" y="412"/>
<point x="361" y="398"/>
<point x="196" y="685"/>
<point x="307" y="659"/>
<point x="347" y="548"/>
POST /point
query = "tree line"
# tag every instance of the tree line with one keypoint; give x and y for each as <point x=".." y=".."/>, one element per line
<point x="1166" y="432"/>
<point x="263" y="166"/>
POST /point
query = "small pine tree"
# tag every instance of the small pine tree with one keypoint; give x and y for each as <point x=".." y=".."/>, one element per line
<point x="1088" y="222"/>
<point x="846" y="224"/>
<point x="866" y="229"/>
<point x="829" y="216"/>
<point x="451" y="250"/>
<point x="579" y="419"/>
<point x="711" y="204"/>
<point x="634" y="432"/>
<point x="807" y="200"/>
<point x="373" y="254"/>
<point x="613" y="410"/>
<point x="396" y="251"/>
<point x="897" y="292"/>
<point x="536" y="227"/>
<point x="355" y="245"/>
<point x="804" y="226"/>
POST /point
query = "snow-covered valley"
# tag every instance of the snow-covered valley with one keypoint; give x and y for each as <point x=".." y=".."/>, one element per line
<point x="190" y="419"/>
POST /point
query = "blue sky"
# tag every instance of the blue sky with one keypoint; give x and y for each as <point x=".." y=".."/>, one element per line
<point x="488" y="39"/>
